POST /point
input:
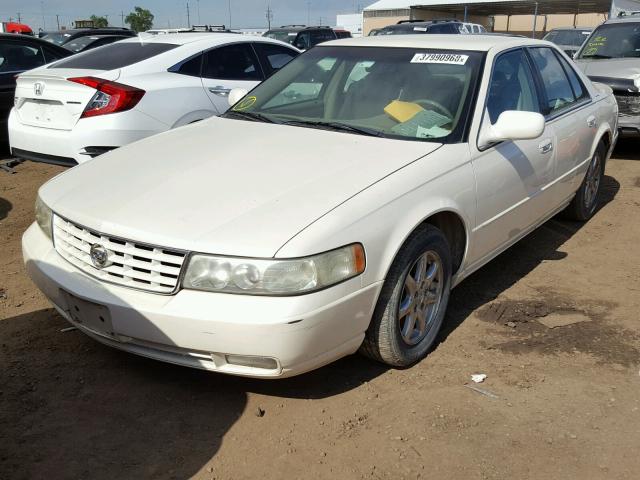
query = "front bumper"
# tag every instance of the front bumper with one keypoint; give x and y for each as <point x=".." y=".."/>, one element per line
<point x="629" y="125"/>
<point x="68" y="147"/>
<point x="198" y="329"/>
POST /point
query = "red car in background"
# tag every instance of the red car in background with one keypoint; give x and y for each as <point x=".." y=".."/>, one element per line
<point x="14" y="27"/>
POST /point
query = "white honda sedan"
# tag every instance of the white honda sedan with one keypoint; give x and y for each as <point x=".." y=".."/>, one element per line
<point x="331" y="210"/>
<point x="85" y="105"/>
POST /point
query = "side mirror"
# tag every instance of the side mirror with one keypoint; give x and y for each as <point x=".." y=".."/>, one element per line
<point x="236" y="94"/>
<point x="512" y="125"/>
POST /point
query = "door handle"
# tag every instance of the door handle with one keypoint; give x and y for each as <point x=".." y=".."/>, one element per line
<point x="546" y="147"/>
<point x="591" y="122"/>
<point x="220" y="91"/>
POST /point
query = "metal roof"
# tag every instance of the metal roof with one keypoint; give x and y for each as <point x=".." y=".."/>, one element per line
<point x="499" y="7"/>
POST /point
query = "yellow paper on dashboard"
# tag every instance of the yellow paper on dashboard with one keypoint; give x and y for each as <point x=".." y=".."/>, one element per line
<point x="402" y="111"/>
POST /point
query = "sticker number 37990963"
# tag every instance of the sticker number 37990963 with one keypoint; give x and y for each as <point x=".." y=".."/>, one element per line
<point x="446" y="58"/>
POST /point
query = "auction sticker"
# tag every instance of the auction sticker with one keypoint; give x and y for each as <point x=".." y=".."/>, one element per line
<point x="446" y="58"/>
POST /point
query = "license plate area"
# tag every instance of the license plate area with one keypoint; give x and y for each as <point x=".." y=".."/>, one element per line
<point x="90" y="315"/>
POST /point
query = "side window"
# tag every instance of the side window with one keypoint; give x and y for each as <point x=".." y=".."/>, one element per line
<point x="444" y="28"/>
<point x="303" y="41"/>
<point x="274" y="57"/>
<point x="319" y="36"/>
<point x="15" y="57"/>
<point x="559" y="94"/>
<point x="512" y="86"/>
<point x="233" y="62"/>
<point x="50" y="56"/>
<point x="191" y="67"/>
<point x="576" y="84"/>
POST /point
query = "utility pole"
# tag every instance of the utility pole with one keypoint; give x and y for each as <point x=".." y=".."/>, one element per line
<point x="122" y="17"/>
<point x="44" y="25"/>
<point x="308" y="12"/>
<point x="269" y="16"/>
<point x="198" y="5"/>
<point x="58" y="21"/>
<point x="107" y="17"/>
<point x="188" y="18"/>
<point x="19" y="18"/>
<point x="229" y="5"/>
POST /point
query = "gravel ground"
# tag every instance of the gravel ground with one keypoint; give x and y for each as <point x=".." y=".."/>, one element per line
<point x="553" y="322"/>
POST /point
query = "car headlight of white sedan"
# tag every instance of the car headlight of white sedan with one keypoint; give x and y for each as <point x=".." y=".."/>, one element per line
<point x="44" y="217"/>
<point x="274" y="277"/>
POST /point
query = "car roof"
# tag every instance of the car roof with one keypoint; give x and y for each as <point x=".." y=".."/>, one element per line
<point x="298" y="28"/>
<point x="624" y="19"/>
<point x="570" y="28"/>
<point x="477" y="42"/>
<point x="184" y="38"/>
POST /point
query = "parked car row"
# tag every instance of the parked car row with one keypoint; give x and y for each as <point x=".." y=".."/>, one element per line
<point x="83" y="106"/>
<point x="331" y="209"/>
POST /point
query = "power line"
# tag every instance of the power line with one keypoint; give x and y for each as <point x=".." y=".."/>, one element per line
<point x="269" y="16"/>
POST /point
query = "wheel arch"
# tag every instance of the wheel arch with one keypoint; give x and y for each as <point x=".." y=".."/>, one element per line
<point x="451" y="222"/>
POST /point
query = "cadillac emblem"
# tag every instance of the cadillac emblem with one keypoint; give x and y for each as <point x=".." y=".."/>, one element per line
<point x="99" y="255"/>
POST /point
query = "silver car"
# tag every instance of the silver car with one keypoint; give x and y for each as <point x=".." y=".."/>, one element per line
<point x="611" y="55"/>
<point x="569" y="39"/>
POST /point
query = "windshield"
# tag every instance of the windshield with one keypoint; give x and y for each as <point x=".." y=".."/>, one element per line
<point x="574" y="38"/>
<point x="615" y="40"/>
<point x="79" y="43"/>
<point x="282" y="35"/>
<point x="398" y="93"/>
<point x="57" y="38"/>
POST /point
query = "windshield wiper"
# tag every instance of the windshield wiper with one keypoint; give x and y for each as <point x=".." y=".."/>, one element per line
<point x="253" y="116"/>
<point x="336" y="126"/>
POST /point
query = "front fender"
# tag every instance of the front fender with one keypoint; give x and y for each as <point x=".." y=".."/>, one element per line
<point x="385" y="214"/>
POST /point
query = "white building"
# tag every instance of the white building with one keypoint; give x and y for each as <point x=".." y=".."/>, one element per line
<point x="351" y="22"/>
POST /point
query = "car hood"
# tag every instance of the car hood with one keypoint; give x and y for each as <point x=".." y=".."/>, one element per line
<point x="614" y="68"/>
<point x="225" y="186"/>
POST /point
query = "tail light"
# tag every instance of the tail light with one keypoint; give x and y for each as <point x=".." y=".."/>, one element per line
<point x="111" y="97"/>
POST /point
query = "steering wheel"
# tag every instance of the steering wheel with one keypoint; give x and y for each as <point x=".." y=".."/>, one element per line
<point x="433" y="103"/>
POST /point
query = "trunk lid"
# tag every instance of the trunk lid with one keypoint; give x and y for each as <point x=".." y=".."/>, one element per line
<point x="46" y="98"/>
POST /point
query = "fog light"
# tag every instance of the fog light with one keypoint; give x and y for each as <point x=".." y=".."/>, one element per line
<point x="253" y="362"/>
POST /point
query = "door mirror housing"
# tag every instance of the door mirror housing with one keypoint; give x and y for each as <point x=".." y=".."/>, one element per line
<point x="237" y="94"/>
<point x="512" y="125"/>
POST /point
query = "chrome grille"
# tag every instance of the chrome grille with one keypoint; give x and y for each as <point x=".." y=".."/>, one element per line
<point x="131" y="264"/>
<point x="628" y="104"/>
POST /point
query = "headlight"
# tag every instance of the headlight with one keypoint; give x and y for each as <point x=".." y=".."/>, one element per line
<point x="274" y="277"/>
<point x="44" y="217"/>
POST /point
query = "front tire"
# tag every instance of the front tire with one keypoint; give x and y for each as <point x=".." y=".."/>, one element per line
<point x="585" y="203"/>
<point x="413" y="301"/>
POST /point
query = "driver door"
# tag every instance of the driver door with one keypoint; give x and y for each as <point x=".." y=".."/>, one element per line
<point x="511" y="176"/>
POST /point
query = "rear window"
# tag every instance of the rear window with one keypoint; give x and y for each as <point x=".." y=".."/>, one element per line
<point x="116" y="55"/>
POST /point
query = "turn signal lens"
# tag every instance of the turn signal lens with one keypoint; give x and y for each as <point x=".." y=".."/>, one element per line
<point x="111" y="97"/>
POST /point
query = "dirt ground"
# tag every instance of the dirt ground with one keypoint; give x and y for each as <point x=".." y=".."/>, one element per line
<point x="558" y="403"/>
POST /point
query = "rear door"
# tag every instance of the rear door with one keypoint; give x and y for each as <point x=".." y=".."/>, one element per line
<point x="568" y="107"/>
<point x="228" y="67"/>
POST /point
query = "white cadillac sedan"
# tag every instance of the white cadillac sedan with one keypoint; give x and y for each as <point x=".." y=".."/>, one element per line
<point x="340" y="203"/>
<point x="90" y="103"/>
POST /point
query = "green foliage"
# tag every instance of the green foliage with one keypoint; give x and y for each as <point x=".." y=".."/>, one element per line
<point x="140" y="19"/>
<point x="99" y="22"/>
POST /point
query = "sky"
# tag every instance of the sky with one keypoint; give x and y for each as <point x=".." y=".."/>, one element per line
<point x="173" y="13"/>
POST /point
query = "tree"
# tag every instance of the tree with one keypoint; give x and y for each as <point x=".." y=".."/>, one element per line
<point x="99" y="22"/>
<point x="140" y="19"/>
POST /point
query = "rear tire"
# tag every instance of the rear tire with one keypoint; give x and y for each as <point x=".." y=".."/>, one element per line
<point x="585" y="203"/>
<point x="413" y="301"/>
